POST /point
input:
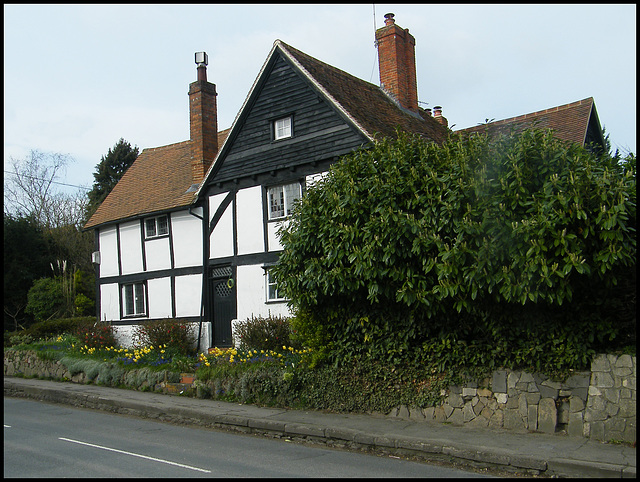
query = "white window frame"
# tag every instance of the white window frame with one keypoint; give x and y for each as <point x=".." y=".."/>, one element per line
<point x="283" y="128"/>
<point x="134" y="293"/>
<point x="280" y="199"/>
<point x="156" y="226"/>
<point x="271" y="287"/>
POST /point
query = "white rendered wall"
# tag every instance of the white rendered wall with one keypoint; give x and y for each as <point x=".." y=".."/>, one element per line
<point x="109" y="302"/>
<point x="251" y="293"/>
<point x="313" y="178"/>
<point x="108" y="252"/>
<point x="188" y="295"/>
<point x="272" y="235"/>
<point x="158" y="254"/>
<point x="159" y="293"/>
<point x="130" y="247"/>
<point x="222" y="236"/>
<point x="125" y="335"/>
<point x="187" y="239"/>
<point x="249" y="219"/>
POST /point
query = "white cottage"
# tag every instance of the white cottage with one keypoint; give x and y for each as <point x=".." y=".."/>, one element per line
<point x="189" y="232"/>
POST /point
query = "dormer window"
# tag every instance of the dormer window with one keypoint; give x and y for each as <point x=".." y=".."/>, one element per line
<point x="282" y="128"/>
<point x="157" y="226"/>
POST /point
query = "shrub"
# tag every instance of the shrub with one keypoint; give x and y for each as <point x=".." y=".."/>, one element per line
<point x="97" y="335"/>
<point x="409" y="242"/>
<point x="45" y="299"/>
<point x="177" y="335"/>
<point x="271" y="333"/>
<point x="50" y="328"/>
<point x="84" y="305"/>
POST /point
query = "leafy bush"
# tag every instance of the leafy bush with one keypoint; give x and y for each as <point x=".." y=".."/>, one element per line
<point x="51" y="328"/>
<point x="261" y="333"/>
<point x="97" y="335"/>
<point x="175" y="334"/>
<point x="45" y="299"/>
<point x="477" y="241"/>
<point x="84" y="305"/>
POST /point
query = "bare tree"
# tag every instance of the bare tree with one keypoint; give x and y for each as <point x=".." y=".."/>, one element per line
<point x="32" y="191"/>
<point x="29" y="188"/>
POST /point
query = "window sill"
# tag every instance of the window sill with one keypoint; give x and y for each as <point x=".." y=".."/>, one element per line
<point x="274" y="302"/>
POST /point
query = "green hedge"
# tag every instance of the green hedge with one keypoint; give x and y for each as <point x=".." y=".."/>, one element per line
<point x="48" y="329"/>
<point x="522" y="247"/>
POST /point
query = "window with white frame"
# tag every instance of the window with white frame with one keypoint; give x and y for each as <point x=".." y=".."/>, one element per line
<point x="282" y="128"/>
<point x="156" y="226"/>
<point x="272" y="287"/>
<point x="133" y="299"/>
<point x="281" y="199"/>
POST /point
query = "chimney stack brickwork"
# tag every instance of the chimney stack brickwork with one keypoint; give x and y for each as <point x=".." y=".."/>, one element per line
<point x="204" y="125"/>
<point x="397" y="62"/>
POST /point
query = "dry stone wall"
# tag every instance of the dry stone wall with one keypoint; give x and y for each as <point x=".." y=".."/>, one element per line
<point x="598" y="404"/>
<point x="28" y="364"/>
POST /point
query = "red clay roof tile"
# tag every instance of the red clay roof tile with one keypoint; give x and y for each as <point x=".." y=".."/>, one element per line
<point x="158" y="180"/>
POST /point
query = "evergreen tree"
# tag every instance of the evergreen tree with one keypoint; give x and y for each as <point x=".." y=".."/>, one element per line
<point x="26" y="257"/>
<point x="109" y="171"/>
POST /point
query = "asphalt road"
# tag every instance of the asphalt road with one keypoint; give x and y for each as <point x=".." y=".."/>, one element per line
<point x="48" y="440"/>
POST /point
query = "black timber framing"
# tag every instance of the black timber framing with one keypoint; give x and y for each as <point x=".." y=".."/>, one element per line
<point x="321" y="131"/>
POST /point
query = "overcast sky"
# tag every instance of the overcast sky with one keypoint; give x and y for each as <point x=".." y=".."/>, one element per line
<point x="77" y="78"/>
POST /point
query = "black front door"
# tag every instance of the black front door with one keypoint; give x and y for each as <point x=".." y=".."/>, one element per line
<point x="223" y="304"/>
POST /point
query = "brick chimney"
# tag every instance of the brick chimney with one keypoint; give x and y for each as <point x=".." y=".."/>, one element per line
<point x="397" y="62"/>
<point x="203" y="115"/>
<point x="437" y="114"/>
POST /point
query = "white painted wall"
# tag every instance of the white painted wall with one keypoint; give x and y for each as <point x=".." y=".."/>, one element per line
<point x="158" y="254"/>
<point x="272" y="236"/>
<point x="109" y="302"/>
<point x="313" y="178"/>
<point x="222" y="237"/>
<point x="251" y="293"/>
<point x="108" y="252"/>
<point x="249" y="219"/>
<point x="187" y="239"/>
<point x="124" y="335"/>
<point x="130" y="247"/>
<point x="188" y="295"/>
<point x="159" y="293"/>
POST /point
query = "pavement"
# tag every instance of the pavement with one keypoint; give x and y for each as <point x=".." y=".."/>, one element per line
<point x="505" y="451"/>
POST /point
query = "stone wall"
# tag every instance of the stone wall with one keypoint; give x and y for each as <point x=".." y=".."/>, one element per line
<point x="598" y="404"/>
<point x="28" y="364"/>
<point x="611" y="406"/>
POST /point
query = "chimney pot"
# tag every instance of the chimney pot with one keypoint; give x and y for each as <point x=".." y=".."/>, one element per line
<point x="388" y="19"/>
<point x="437" y="111"/>
<point x="202" y="60"/>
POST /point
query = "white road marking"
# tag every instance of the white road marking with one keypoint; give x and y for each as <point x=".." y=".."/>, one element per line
<point x="7" y="426"/>
<point x="135" y="455"/>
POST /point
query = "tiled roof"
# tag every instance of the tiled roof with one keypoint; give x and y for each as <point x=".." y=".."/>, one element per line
<point x="570" y="122"/>
<point x="158" y="180"/>
<point x="366" y="103"/>
<point x="149" y="186"/>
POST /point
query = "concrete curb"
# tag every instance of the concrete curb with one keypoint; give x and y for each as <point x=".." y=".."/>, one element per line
<point x="461" y="452"/>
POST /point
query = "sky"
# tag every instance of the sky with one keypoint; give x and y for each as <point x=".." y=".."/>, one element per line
<point x="77" y="78"/>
